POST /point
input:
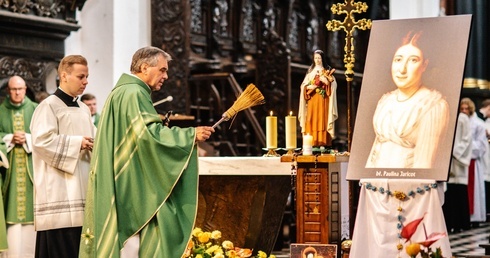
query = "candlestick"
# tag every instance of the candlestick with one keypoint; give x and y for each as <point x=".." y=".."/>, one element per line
<point x="290" y="131"/>
<point x="307" y="144"/>
<point x="271" y="131"/>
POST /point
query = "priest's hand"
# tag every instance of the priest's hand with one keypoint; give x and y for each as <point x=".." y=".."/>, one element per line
<point x="203" y="133"/>
<point x="87" y="143"/>
<point x="19" y="138"/>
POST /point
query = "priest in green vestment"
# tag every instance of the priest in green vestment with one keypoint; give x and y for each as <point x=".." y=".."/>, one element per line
<point x="91" y="101"/>
<point x="17" y="186"/>
<point x="142" y="192"/>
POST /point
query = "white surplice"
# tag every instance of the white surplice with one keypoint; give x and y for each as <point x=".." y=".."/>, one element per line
<point x="60" y="168"/>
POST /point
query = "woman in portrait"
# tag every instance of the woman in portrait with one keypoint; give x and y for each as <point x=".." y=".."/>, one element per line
<point x="410" y="121"/>
<point x="318" y="102"/>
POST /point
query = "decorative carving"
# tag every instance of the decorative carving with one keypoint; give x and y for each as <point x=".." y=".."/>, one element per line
<point x="220" y="18"/>
<point x="33" y="71"/>
<point x="4" y="3"/>
<point x="10" y="66"/>
<point x="169" y="33"/>
<point x="269" y="21"/>
<point x="312" y="29"/>
<point x="221" y="41"/>
<point x="248" y="32"/>
<point x="293" y="31"/>
<point x="196" y="16"/>
<point x="273" y="74"/>
<point x="47" y="8"/>
<point x="20" y="6"/>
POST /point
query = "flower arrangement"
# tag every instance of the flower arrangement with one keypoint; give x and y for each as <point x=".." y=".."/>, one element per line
<point x="319" y="87"/>
<point x="422" y="247"/>
<point x="209" y="245"/>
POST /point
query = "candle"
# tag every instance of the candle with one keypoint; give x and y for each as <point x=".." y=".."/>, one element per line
<point x="271" y="131"/>
<point x="307" y="144"/>
<point x="291" y="131"/>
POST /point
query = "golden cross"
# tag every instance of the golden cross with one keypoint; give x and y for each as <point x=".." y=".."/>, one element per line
<point x="349" y="25"/>
<point x="349" y="7"/>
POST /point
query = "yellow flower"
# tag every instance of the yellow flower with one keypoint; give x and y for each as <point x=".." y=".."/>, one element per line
<point x="227" y="245"/>
<point x="207" y="244"/>
<point x="204" y="237"/>
<point x="261" y="255"/>
<point x="231" y="254"/>
<point x="196" y="232"/>
<point x="413" y="249"/>
<point x="219" y="251"/>
<point x="212" y="249"/>
<point x="216" y="234"/>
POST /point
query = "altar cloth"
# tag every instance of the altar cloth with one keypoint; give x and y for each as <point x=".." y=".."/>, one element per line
<point x="376" y="233"/>
<point x="244" y="166"/>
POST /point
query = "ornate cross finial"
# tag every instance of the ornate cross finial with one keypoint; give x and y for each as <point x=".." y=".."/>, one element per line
<point x="349" y="24"/>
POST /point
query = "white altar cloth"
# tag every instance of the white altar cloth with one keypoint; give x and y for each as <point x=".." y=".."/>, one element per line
<point x="375" y="231"/>
<point x="244" y="166"/>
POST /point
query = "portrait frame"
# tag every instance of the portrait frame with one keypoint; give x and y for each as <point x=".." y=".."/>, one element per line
<point x="321" y="250"/>
<point x="444" y="74"/>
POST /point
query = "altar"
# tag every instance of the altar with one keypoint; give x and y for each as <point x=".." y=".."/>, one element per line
<point x="243" y="197"/>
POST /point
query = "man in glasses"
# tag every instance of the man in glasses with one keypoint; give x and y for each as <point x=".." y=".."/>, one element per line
<point x="17" y="188"/>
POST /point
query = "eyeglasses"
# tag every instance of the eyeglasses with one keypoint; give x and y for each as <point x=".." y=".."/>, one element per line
<point x="17" y="89"/>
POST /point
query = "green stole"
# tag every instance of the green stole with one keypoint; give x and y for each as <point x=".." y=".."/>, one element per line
<point x="17" y="187"/>
<point x="143" y="179"/>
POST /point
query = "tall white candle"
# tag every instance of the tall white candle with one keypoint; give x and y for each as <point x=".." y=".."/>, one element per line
<point x="271" y="131"/>
<point x="290" y="131"/>
<point x="307" y="144"/>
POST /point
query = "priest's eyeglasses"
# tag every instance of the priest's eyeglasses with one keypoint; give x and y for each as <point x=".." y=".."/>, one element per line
<point x="17" y="89"/>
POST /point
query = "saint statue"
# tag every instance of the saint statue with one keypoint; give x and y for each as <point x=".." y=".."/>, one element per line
<point x="318" y="102"/>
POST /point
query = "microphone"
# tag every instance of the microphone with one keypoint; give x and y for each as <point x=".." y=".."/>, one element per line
<point x="169" y="98"/>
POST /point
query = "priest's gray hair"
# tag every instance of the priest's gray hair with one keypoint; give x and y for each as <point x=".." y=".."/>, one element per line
<point x="147" y="55"/>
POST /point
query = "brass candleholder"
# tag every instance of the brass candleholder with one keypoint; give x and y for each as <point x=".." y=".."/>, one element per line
<point x="290" y="151"/>
<point x="271" y="152"/>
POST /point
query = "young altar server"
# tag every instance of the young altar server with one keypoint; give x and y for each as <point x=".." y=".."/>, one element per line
<point x="62" y="136"/>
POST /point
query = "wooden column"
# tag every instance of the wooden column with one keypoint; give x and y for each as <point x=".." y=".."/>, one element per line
<point x="317" y="198"/>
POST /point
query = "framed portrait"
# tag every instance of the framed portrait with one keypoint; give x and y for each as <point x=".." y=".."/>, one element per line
<point x="409" y="99"/>
<point x="313" y="251"/>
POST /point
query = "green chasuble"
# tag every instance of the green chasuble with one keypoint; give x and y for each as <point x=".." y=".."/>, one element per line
<point x="17" y="187"/>
<point x="143" y="179"/>
<point x="96" y="119"/>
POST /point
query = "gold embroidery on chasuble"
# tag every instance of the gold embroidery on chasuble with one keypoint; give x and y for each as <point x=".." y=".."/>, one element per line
<point x="21" y="167"/>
